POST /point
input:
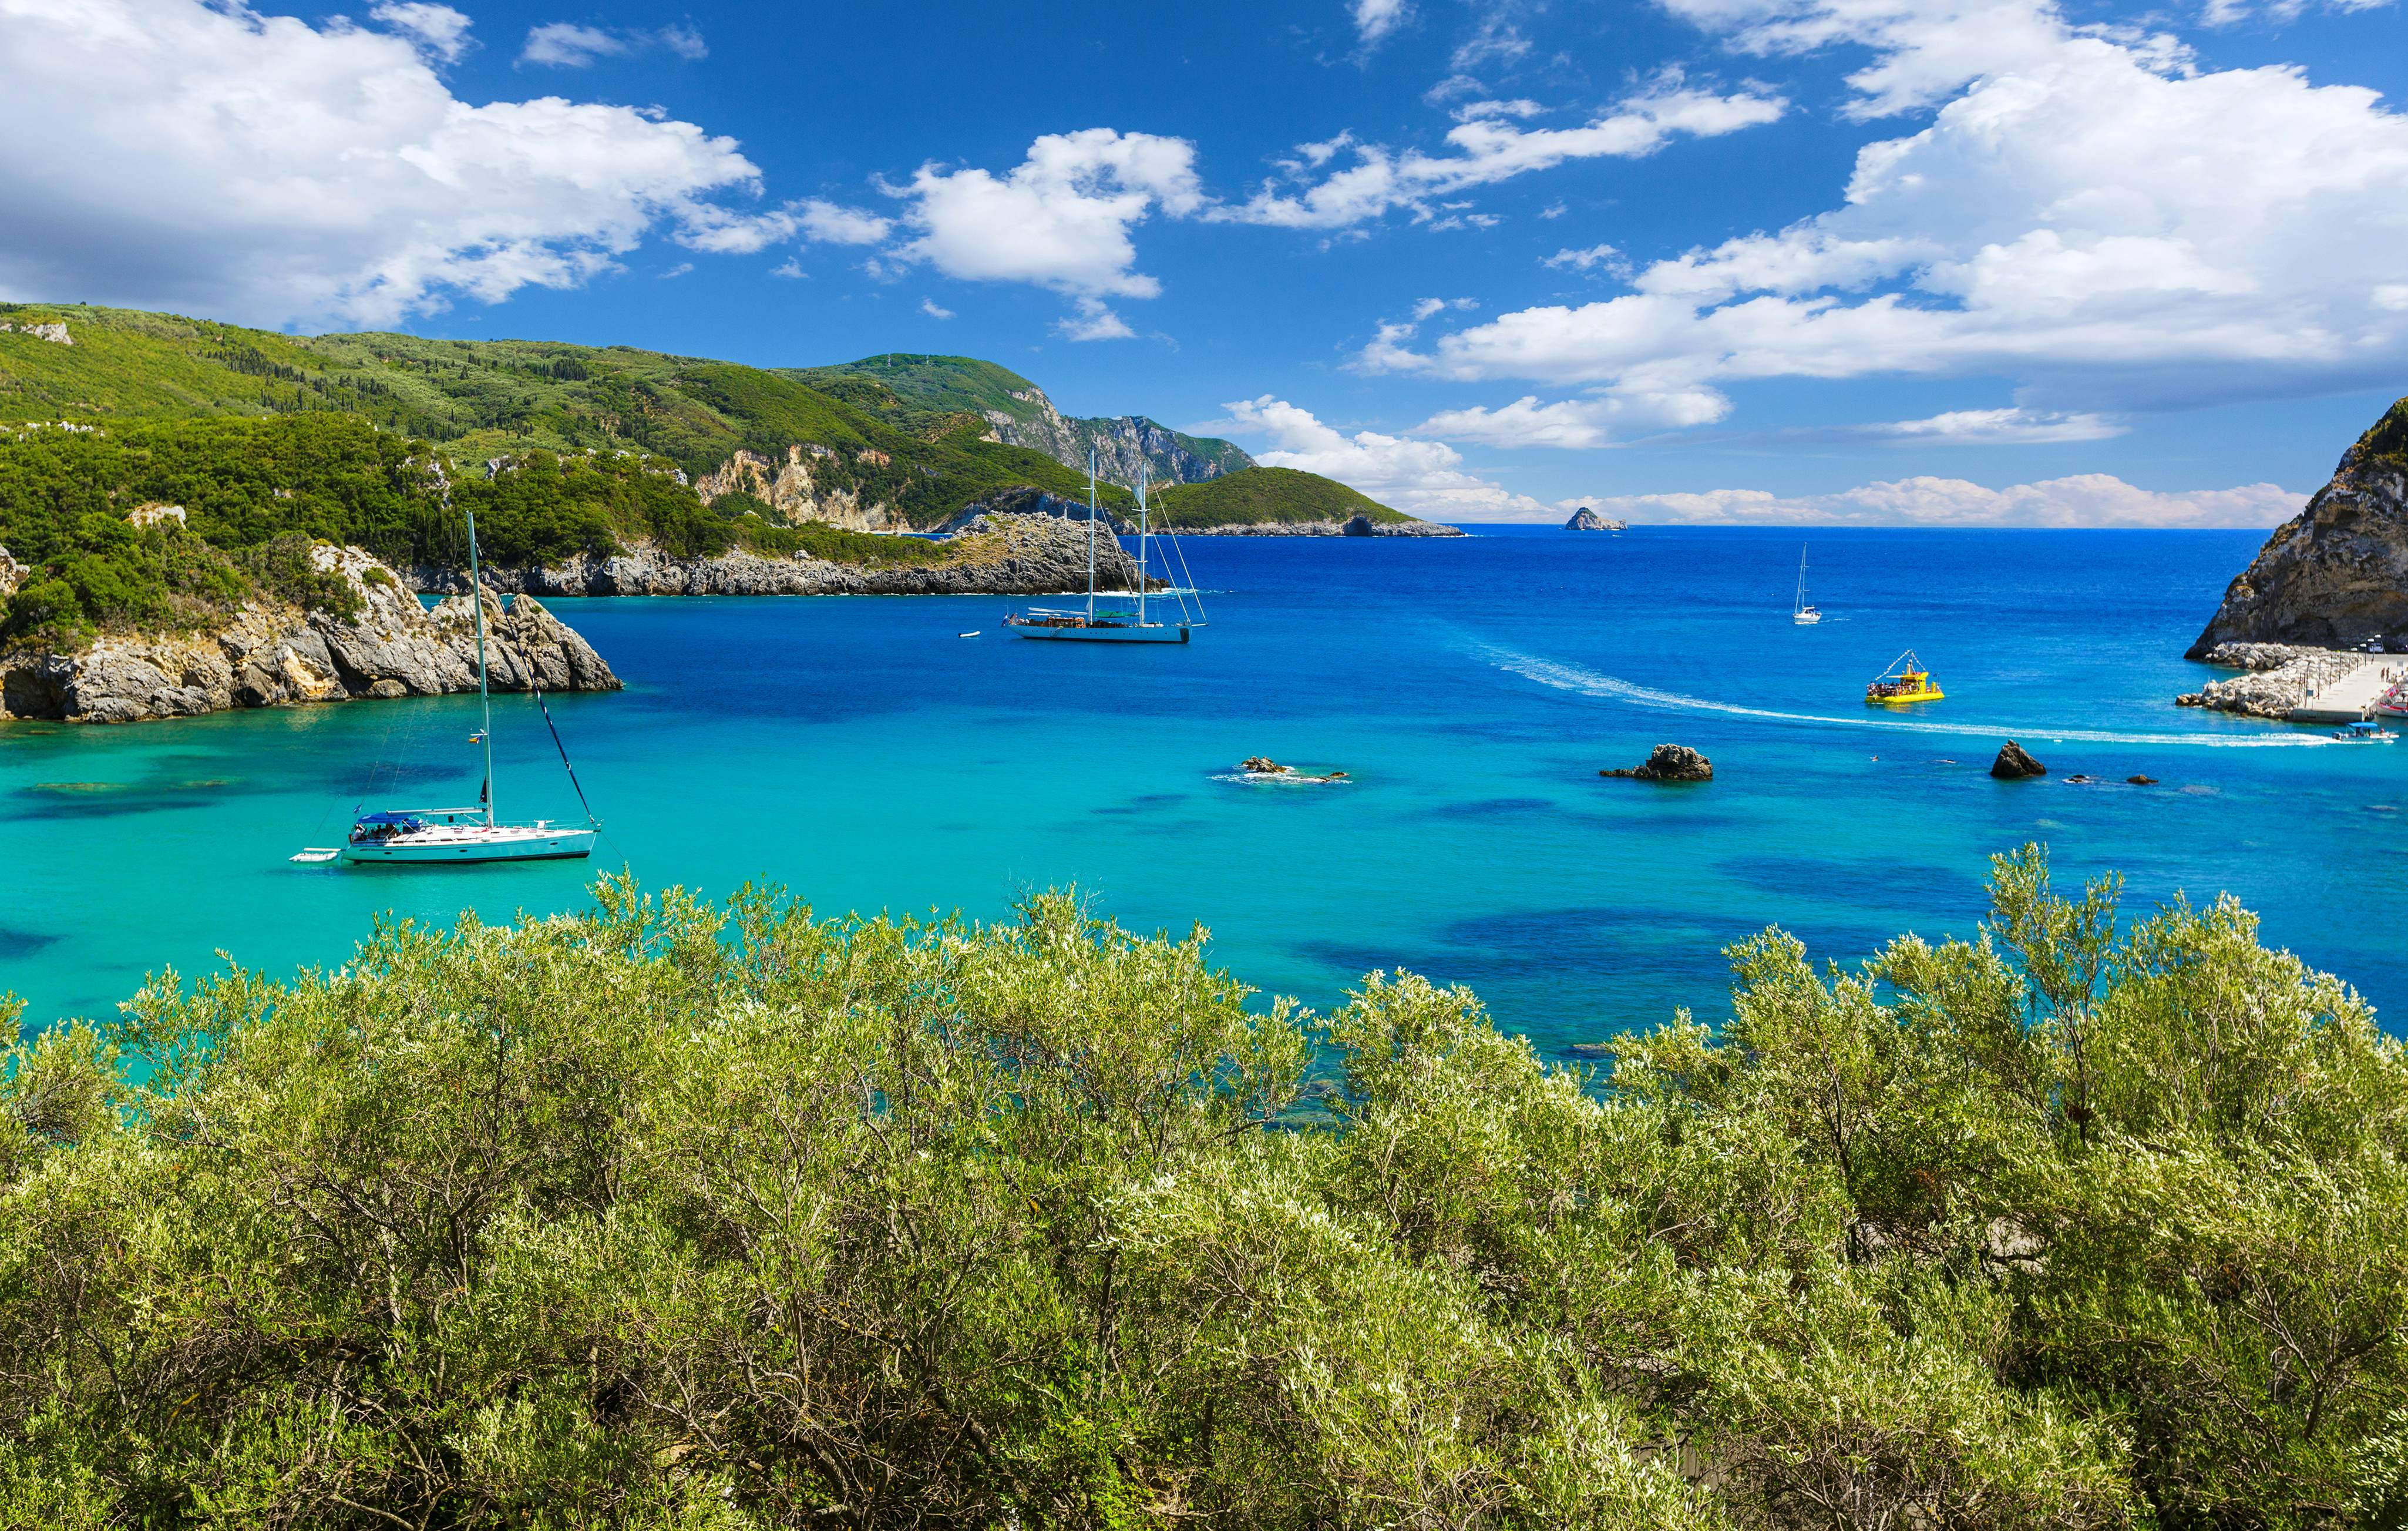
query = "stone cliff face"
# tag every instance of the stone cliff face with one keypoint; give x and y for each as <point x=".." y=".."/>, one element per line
<point x="2336" y="574"/>
<point x="1005" y="555"/>
<point x="799" y="488"/>
<point x="1122" y="444"/>
<point x="272" y="653"/>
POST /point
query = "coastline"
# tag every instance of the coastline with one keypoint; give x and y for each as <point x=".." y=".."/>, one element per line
<point x="271" y="654"/>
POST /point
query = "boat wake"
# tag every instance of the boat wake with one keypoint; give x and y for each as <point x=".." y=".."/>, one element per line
<point x="1590" y="682"/>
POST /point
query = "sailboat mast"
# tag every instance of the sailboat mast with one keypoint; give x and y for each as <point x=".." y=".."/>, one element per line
<point x="1091" y="536"/>
<point x="1141" y="544"/>
<point x="484" y="696"/>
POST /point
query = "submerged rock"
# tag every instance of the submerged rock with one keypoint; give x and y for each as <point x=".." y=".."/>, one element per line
<point x="2336" y="574"/>
<point x="2015" y="762"/>
<point x="1669" y="763"/>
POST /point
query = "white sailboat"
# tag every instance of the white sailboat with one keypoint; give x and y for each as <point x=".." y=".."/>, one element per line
<point x="458" y="836"/>
<point x="1094" y="625"/>
<point x="1799" y="611"/>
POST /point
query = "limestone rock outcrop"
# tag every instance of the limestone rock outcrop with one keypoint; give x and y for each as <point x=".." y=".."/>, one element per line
<point x="271" y="654"/>
<point x="1669" y="763"/>
<point x="2336" y="574"/>
<point x="802" y="488"/>
<point x="2014" y="763"/>
<point x="12" y="575"/>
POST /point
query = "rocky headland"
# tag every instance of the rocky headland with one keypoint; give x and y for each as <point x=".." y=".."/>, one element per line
<point x="2335" y="575"/>
<point x="272" y="653"/>
<point x="996" y="553"/>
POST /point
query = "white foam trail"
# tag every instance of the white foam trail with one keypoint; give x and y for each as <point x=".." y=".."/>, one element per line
<point x="1576" y="678"/>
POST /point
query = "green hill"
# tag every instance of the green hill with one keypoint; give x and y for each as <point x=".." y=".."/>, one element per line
<point x="559" y="449"/>
<point x="1260" y="496"/>
<point x="476" y="400"/>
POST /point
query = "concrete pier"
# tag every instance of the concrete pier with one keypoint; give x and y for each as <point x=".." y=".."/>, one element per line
<point x="2349" y="699"/>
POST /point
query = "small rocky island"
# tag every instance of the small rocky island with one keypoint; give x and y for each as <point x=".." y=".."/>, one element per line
<point x="1585" y="519"/>
<point x="1669" y="763"/>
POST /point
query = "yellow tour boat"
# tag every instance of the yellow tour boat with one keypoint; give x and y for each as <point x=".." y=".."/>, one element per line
<point x="1905" y="681"/>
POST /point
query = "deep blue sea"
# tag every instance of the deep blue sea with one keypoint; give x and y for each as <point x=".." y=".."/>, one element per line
<point x="860" y="753"/>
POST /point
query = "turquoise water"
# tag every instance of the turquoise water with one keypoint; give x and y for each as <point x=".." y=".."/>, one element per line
<point x="860" y="753"/>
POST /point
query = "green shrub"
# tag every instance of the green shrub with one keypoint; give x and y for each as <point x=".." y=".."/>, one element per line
<point x="735" y="1216"/>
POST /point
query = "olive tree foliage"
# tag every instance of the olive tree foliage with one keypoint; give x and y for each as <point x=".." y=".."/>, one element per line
<point x="694" y="1216"/>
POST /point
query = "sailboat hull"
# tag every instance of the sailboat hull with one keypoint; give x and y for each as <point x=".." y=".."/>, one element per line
<point x="1152" y="632"/>
<point x="460" y="844"/>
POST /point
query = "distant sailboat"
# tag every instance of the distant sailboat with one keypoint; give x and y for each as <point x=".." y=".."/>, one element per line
<point x="1095" y="625"/>
<point x="1800" y="613"/>
<point x="456" y="836"/>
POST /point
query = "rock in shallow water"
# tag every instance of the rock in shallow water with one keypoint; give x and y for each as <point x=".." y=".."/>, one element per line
<point x="2015" y="763"/>
<point x="1669" y="763"/>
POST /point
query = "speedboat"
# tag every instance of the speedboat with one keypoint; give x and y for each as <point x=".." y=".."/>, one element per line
<point x="2365" y="733"/>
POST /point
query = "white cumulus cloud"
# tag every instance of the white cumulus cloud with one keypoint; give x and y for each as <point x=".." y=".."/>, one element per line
<point x="568" y="44"/>
<point x="929" y="306"/>
<point x="170" y="153"/>
<point x="2087" y="499"/>
<point x="2088" y="215"/>
<point x="1419" y="478"/>
<point x="1485" y="149"/>
<point x="1061" y="218"/>
<point x="1375" y="19"/>
<point x="440" y="30"/>
<point x="831" y="223"/>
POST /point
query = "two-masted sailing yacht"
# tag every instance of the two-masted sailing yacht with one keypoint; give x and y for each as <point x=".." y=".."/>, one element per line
<point x="457" y="836"/>
<point x="1799" y="611"/>
<point x="1107" y="625"/>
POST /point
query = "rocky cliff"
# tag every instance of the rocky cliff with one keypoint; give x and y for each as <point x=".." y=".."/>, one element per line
<point x="1004" y="555"/>
<point x="799" y="488"/>
<point x="2336" y="574"/>
<point x="1122" y="444"/>
<point x="272" y="653"/>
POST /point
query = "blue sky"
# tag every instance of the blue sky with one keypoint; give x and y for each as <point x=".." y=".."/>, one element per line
<point x="1761" y="260"/>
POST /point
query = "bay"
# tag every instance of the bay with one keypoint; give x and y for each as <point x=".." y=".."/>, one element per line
<point x="862" y="755"/>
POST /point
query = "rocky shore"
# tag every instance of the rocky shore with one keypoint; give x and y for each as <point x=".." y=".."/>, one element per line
<point x="1025" y="554"/>
<point x="1361" y="526"/>
<point x="2276" y="677"/>
<point x="271" y="654"/>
